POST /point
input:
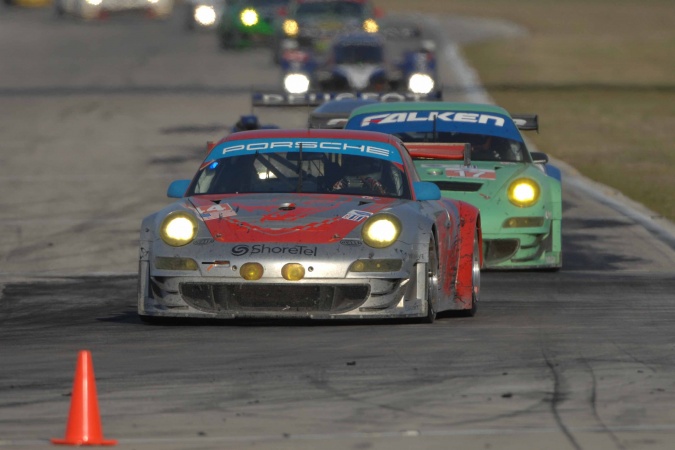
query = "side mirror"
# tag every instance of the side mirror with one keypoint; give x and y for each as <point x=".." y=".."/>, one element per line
<point x="177" y="188"/>
<point x="539" y="157"/>
<point x="426" y="190"/>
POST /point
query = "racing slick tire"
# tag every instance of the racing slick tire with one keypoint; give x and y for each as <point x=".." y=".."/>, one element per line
<point x="475" y="279"/>
<point x="431" y="285"/>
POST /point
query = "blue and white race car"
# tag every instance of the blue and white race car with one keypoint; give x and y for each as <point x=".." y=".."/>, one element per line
<point x="362" y="62"/>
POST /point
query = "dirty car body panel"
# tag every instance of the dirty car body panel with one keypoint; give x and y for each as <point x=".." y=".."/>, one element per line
<point x="276" y="228"/>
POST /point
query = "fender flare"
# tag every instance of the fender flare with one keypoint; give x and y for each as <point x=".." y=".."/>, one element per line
<point x="469" y="225"/>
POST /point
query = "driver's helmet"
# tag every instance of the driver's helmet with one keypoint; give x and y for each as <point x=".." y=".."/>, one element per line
<point x="247" y="122"/>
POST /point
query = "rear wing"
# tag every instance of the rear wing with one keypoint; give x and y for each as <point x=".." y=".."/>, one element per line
<point x="526" y="122"/>
<point x="440" y="150"/>
<point x="317" y="98"/>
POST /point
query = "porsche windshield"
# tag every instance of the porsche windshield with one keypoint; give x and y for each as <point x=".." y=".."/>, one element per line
<point x="483" y="147"/>
<point x="306" y="172"/>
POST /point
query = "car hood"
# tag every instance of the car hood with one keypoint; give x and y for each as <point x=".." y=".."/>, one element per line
<point x="298" y="218"/>
<point x="486" y="179"/>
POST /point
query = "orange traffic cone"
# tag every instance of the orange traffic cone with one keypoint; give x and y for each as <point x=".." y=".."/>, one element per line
<point x="84" y="421"/>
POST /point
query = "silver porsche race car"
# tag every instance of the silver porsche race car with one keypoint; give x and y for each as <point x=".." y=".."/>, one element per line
<point x="318" y="224"/>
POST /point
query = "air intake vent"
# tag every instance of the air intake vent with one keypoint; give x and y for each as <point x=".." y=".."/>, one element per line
<point x="458" y="186"/>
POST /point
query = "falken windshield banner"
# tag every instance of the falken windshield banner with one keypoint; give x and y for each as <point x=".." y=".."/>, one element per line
<point x="445" y="121"/>
<point x="356" y="147"/>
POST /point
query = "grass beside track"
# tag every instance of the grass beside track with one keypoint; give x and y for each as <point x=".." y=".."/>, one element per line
<point x="601" y="76"/>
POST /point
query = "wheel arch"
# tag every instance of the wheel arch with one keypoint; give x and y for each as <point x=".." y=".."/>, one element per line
<point x="470" y="226"/>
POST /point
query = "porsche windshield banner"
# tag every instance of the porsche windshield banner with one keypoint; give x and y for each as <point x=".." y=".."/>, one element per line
<point x="380" y="150"/>
<point x="440" y="121"/>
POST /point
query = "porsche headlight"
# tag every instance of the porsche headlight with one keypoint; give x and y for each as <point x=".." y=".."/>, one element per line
<point x="370" y="26"/>
<point x="420" y="83"/>
<point x="205" y="15"/>
<point x="290" y="27"/>
<point x="94" y="2"/>
<point x="296" y="83"/>
<point x="249" y="17"/>
<point x="178" y="228"/>
<point x="523" y="192"/>
<point x="381" y="230"/>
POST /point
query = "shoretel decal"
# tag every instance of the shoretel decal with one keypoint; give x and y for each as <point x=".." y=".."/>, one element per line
<point x="262" y="249"/>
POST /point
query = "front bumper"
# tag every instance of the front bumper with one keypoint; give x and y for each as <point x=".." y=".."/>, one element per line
<point x="189" y="295"/>
<point x="524" y="249"/>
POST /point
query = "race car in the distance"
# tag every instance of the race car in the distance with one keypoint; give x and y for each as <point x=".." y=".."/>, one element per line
<point x="312" y="24"/>
<point x="316" y="224"/>
<point x="245" y="22"/>
<point x="249" y="122"/>
<point x="98" y="9"/>
<point x="360" y="62"/>
<point x="475" y="153"/>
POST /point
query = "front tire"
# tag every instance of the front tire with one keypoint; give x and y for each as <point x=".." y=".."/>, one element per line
<point x="432" y="282"/>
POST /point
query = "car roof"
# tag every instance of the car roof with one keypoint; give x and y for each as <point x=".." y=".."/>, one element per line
<point x="426" y="106"/>
<point x="312" y="133"/>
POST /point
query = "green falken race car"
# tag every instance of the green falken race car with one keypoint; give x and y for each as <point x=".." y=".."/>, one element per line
<point x="476" y="153"/>
<point x="245" y="22"/>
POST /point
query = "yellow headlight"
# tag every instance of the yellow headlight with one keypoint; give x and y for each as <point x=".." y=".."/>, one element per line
<point x="178" y="228"/>
<point x="249" y="17"/>
<point x="370" y="26"/>
<point x="251" y="271"/>
<point x="523" y="192"/>
<point x="290" y="27"/>
<point x="381" y="230"/>
<point x="293" y="272"/>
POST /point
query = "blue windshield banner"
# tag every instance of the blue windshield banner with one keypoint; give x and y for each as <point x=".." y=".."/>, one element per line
<point x="440" y="121"/>
<point x="373" y="149"/>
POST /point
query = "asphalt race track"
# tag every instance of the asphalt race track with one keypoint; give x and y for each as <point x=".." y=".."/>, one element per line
<point x="97" y="118"/>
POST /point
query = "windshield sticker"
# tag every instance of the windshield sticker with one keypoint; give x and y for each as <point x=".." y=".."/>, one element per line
<point x="401" y="123"/>
<point x="380" y="150"/>
<point x="431" y="116"/>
